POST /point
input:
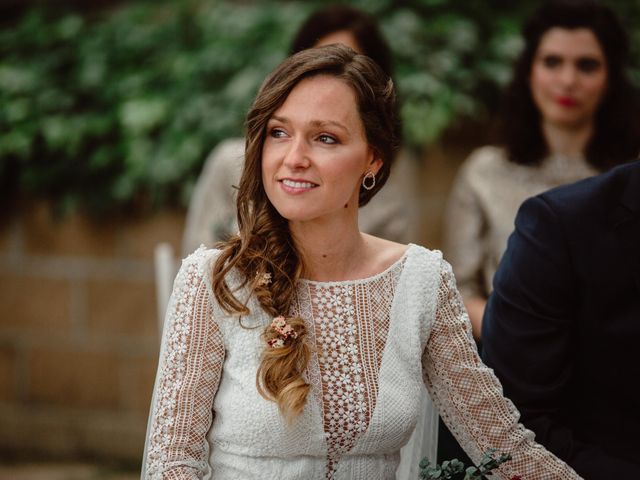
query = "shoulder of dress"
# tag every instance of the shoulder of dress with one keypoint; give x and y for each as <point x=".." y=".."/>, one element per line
<point x="418" y="286"/>
<point x="432" y="262"/>
<point x="201" y="259"/>
<point x="422" y="260"/>
<point x="485" y="156"/>
<point x="201" y="263"/>
<point x="228" y="153"/>
<point x="419" y="251"/>
<point x="226" y="156"/>
<point x="233" y="148"/>
<point x="482" y="166"/>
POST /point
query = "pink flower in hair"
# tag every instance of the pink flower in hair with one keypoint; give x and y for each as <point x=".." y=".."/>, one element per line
<point x="284" y="331"/>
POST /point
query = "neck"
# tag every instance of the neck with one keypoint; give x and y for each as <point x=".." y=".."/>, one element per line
<point x="329" y="252"/>
<point x="567" y="140"/>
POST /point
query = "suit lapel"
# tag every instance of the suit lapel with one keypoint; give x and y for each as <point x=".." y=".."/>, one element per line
<point x="626" y="217"/>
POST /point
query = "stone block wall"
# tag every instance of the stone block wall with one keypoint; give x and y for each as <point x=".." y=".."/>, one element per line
<point x="78" y="332"/>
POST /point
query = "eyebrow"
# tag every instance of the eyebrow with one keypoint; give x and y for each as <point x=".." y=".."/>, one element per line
<point x="315" y="123"/>
<point x="552" y="53"/>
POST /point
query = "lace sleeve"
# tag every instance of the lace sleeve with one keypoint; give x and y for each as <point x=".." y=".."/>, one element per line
<point x="188" y="376"/>
<point x="469" y="396"/>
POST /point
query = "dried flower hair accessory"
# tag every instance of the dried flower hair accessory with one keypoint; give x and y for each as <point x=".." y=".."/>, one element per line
<point x="284" y="331"/>
<point x="264" y="279"/>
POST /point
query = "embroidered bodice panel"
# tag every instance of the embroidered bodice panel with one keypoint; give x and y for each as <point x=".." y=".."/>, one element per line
<point x="348" y="323"/>
<point x="375" y="341"/>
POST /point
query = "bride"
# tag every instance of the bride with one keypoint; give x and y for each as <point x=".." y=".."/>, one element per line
<point x="298" y="348"/>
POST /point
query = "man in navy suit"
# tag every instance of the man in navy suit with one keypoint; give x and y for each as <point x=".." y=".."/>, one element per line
<point x="562" y="327"/>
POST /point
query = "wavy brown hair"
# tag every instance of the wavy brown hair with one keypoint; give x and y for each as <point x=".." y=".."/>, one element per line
<point x="264" y="244"/>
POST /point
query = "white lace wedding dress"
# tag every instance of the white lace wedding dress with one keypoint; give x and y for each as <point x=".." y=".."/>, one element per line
<point x="376" y="339"/>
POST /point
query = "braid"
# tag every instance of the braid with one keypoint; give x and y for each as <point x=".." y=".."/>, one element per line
<point x="269" y="253"/>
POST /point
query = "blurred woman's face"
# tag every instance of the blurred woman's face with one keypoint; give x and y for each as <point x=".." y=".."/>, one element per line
<point x="568" y="77"/>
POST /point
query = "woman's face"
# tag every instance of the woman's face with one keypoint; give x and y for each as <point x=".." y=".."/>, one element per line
<point x="315" y="152"/>
<point x="568" y="77"/>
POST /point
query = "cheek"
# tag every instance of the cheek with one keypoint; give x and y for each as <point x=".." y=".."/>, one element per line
<point x="537" y="85"/>
<point x="538" y="94"/>
<point x="266" y="172"/>
<point x="344" y="180"/>
<point x="596" y="89"/>
<point x="266" y="162"/>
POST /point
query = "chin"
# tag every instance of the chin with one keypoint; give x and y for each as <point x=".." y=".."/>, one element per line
<point x="295" y="215"/>
<point x="568" y="121"/>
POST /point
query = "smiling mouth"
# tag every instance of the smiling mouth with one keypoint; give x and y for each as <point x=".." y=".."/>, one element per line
<point x="297" y="185"/>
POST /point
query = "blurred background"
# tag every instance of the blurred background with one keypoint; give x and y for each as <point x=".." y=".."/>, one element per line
<point x="108" y="110"/>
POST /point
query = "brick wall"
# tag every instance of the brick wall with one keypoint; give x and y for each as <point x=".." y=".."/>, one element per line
<point x="78" y="333"/>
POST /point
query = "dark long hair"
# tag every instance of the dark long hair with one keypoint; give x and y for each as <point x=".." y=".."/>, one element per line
<point x="336" y="18"/>
<point x="264" y="244"/>
<point x="616" y="136"/>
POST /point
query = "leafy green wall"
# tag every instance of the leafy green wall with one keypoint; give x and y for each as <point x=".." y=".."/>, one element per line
<point x="119" y="109"/>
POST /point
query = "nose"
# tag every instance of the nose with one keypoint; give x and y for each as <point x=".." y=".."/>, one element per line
<point x="568" y="75"/>
<point x="297" y="154"/>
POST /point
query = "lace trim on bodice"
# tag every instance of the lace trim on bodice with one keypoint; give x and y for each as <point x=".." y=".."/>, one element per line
<point x="348" y="324"/>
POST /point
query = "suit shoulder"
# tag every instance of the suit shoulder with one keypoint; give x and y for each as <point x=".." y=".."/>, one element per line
<point x="587" y="194"/>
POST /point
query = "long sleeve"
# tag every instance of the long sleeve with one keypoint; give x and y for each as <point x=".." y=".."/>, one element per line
<point x="189" y="371"/>
<point x="465" y="226"/>
<point x="535" y="313"/>
<point x="470" y="399"/>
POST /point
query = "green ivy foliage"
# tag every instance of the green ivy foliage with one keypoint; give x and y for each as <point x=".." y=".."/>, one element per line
<point x="119" y="109"/>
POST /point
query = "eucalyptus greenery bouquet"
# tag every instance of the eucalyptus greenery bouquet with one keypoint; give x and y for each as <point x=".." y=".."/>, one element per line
<point x="450" y="469"/>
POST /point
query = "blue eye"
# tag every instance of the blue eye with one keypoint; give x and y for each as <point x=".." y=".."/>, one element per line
<point x="277" y="133"/>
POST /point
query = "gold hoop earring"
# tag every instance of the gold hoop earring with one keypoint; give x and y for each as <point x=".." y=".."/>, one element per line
<point x="372" y="183"/>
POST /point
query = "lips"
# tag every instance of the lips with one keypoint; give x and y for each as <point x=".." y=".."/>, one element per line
<point x="296" y="186"/>
<point x="566" y="101"/>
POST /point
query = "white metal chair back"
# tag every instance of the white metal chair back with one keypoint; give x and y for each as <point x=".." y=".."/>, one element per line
<point x="165" y="265"/>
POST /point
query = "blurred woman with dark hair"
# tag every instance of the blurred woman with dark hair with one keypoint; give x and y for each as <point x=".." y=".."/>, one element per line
<point x="348" y="26"/>
<point x="570" y="113"/>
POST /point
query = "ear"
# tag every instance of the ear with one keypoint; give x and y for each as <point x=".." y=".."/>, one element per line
<point x="374" y="162"/>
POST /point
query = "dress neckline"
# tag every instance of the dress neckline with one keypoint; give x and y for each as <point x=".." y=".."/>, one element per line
<point x="356" y="281"/>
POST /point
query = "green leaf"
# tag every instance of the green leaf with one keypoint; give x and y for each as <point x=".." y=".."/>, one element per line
<point x="101" y="110"/>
